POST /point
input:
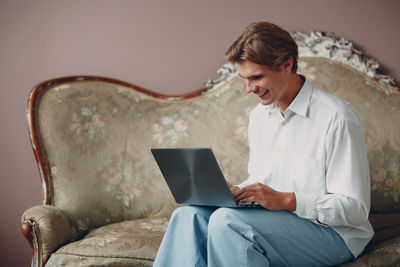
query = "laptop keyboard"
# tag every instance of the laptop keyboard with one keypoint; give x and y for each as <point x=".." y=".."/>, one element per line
<point x="248" y="204"/>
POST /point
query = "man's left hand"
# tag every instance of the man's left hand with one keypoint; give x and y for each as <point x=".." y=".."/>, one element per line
<point x="267" y="197"/>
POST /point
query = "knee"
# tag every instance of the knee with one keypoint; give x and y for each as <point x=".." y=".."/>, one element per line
<point x="221" y="220"/>
<point x="184" y="211"/>
<point x="189" y="213"/>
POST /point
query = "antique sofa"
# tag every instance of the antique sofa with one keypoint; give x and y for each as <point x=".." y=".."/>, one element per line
<point x="105" y="202"/>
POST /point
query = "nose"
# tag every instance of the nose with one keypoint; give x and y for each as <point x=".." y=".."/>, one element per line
<point x="250" y="87"/>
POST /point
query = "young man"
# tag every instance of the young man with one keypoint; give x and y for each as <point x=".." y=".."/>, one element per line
<point x="307" y="168"/>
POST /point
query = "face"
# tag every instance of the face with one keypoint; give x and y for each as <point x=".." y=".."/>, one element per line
<point x="269" y="85"/>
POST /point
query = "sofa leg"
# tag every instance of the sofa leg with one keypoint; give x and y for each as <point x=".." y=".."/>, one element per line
<point x="31" y="234"/>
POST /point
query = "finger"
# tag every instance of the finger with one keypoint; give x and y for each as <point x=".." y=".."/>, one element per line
<point x="235" y="190"/>
<point x="249" y="199"/>
<point x="239" y="194"/>
<point x="244" y="195"/>
<point x="249" y="188"/>
<point x="254" y="187"/>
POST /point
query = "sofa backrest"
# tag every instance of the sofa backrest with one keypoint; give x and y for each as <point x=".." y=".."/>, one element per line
<point x="92" y="138"/>
<point x="95" y="136"/>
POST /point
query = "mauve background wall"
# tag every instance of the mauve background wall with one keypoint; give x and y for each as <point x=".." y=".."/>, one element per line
<point x="166" y="46"/>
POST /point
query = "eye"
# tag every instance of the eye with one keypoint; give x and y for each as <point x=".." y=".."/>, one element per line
<point x="253" y="77"/>
<point x="256" y="77"/>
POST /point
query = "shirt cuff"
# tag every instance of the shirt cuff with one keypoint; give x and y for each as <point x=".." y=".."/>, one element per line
<point x="306" y="206"/>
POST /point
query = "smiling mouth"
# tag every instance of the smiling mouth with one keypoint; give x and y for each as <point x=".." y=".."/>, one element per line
<point x="263" y="94"/>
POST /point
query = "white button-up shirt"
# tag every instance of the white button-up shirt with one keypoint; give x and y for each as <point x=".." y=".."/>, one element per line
<point x="316" y="150"/>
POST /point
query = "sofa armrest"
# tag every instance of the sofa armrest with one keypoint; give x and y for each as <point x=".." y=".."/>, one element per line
<point x="46" y="228"/>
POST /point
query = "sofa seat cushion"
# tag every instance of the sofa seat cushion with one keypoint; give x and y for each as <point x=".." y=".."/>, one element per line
<point x="383" y="254"/>
<point x="128" y="243"/>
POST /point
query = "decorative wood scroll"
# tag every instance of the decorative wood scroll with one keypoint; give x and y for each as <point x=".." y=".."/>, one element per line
<point x="323" y="45"/>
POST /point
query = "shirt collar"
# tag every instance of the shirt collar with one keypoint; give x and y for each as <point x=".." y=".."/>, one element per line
<point x="301" y="102"/>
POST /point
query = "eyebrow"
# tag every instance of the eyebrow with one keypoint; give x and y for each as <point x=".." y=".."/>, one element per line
<point x="252" y="76"/>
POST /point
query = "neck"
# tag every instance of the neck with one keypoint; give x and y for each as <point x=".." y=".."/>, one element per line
<point x="294" y="84"/>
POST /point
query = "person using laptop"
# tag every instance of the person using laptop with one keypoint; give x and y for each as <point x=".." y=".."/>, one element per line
<point x="308" y="170"/>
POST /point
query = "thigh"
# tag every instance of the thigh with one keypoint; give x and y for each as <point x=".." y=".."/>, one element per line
<point x="299" y="241"/>
<point x="190" y="218"/>
<point x="193" y="211"/>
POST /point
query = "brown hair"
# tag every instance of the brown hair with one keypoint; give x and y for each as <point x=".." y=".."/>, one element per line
<point x="264" y="43"/>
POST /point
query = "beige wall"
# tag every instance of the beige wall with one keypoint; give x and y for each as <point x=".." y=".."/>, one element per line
<point x="167" y="46"/>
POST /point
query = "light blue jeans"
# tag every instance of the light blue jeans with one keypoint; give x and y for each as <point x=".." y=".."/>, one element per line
<point x="206" y="236"/>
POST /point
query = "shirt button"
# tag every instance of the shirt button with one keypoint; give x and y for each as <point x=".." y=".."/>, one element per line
<point x="283" y="123"/>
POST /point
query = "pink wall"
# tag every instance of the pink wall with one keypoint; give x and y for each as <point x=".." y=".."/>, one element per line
<point x="167" y="46"/>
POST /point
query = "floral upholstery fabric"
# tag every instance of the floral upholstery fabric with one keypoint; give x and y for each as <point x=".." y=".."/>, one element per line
<point x="129" y="243"/>
<point x="385" y="254"/>
<point x="97" y="138"/>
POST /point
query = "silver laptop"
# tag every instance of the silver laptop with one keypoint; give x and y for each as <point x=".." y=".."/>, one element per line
<point x="194" y="177"/>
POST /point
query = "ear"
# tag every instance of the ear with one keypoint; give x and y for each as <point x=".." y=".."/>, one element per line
<point x="287" y="65"/>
